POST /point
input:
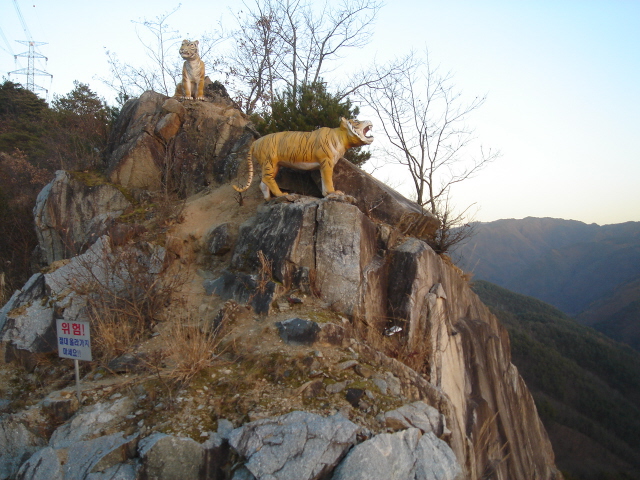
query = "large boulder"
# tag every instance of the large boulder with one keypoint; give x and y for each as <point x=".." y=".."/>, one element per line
<point x="32" y="290"/>
<point x="159" y="141"/>
<point x="415" y="415"/>
<point x="295" y="446"/>
<point x="72" y="212"/>
<point x="382" y="203"/>
<point x="406" y="455"/>
<point x="371" y="271"/>
<point x="171" y="458"/>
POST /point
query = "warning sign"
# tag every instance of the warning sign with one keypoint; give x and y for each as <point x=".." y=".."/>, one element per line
<point x="74" y="340"/>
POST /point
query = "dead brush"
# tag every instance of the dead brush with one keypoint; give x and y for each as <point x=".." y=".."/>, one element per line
<point x="191" y="348"/>
<point x="265" y="274"/>
<point x="125" y="291"/>
<point x="488" y="444"/>
<point x="416" y="357"/>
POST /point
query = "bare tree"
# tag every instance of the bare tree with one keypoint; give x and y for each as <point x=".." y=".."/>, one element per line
<point x="424" y="118"/>
<point x="256" y="56"/>
<point x="282" y="44"/>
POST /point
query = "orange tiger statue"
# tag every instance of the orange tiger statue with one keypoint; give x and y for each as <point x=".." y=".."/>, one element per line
<point x="317" y="150"/>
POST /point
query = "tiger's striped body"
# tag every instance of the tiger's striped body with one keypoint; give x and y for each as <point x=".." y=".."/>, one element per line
<point x="315" y="150"/>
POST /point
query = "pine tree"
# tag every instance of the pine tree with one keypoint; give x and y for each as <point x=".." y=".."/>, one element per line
<point x="310" y="108"/>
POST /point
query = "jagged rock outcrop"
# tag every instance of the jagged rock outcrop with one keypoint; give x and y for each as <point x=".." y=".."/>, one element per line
<point x="318" y="245"/>
<point x="159" y="141"/>
<point x="79" y="448"/>
<point x="382" y="203"/>
<point x="70" y="215"/>
<point x="369" y="271"/>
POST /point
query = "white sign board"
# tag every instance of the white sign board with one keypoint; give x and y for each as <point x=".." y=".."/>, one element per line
<point x="74" y="340"/>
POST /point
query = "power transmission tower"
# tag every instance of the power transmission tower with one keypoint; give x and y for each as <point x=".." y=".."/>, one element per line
<point x="31" y="71"/>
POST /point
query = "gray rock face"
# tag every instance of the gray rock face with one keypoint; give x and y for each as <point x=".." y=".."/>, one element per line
<point x="99" y="458"/>
<point x="71" y="215"/>
<point x="17" y="444"/>
<point x="165" y="457"/>
<point x="245" y="289"/>
<point x="322" y="245"/>
<point x="360" y="268"/>
<point x="295" y="446"/>
<point x="383" y="203"/>
<point x="89" y="422"/>
<point x="31" y="329"/>
<point x="79" y="449"/>
<point x="219" y="239"/>
<point x="406" y="455"/>
<point x="42" y="465"/>
<point x="375" y="199"/>
<point x="98" y="454"/>
<point x="32" y="290"/>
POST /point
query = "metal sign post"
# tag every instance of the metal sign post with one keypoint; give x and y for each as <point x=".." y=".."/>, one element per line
<point x="74" y="341"/>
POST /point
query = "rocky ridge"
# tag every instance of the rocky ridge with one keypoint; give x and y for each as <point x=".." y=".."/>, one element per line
<point x="340" y="336"/>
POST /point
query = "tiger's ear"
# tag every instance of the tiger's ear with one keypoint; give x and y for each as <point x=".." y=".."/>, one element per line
<point x="343" y="121"/>
<point x="197" y="42"/>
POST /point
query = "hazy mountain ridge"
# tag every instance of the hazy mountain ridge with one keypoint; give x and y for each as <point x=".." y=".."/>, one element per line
<point x="586" y="386"/>
<point x="588" y="271"/>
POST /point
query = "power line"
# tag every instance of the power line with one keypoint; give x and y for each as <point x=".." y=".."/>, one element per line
<point x="6" y="42"/>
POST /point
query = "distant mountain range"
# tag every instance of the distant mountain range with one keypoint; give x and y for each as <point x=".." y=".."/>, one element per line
<point x="590" y="272"/>
<point x="586" y="386"/>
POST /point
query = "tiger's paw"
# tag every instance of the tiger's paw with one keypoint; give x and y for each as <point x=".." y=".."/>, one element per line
<point x="339" y="196"/>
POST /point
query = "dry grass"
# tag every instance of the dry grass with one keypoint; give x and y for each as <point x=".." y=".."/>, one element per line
<point x="190" y="349"/>
<point x="488" y="444"/>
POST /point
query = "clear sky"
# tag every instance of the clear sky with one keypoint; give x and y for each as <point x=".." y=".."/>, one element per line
<point x="562" y="78"/>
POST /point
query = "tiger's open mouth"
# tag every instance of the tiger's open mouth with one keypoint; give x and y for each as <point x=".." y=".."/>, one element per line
<point x="367" y="135"/>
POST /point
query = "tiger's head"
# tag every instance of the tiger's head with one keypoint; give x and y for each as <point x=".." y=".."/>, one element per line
<point x="189" y="49"/>
<point x="359" y="131"/>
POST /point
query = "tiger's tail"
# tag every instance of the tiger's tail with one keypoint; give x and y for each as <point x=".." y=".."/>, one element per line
<point x="250" y="168"/>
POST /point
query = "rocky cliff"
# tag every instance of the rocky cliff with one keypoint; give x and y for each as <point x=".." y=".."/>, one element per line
<point x="337" y="344"/>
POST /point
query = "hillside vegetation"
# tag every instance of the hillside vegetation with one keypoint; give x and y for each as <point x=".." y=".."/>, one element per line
<point x="586" y="386"/>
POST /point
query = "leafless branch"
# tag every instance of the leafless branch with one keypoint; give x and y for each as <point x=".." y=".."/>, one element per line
<point x="424" y="118"/>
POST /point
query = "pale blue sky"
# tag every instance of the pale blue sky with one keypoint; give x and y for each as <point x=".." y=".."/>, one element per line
<point x="562" y="78"/>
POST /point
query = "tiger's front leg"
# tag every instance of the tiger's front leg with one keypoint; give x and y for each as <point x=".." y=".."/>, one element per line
<point x="326" y="173"/>
<point x="186" y="85"/>
<point x="200" y="89"/>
